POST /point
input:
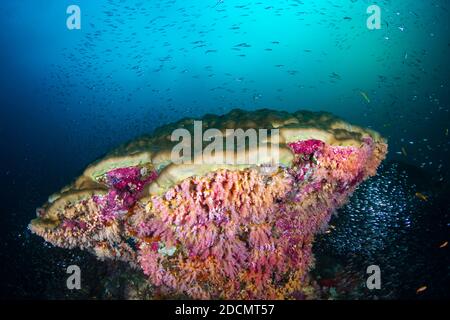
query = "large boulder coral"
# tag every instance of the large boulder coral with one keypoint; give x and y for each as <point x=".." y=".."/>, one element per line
<point x="216" y="231"/>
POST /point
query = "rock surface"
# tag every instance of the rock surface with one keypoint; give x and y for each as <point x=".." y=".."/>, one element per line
<point x="214" y="230"/>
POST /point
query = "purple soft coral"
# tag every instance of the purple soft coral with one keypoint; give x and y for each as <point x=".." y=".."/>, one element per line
<point x="126" y="185"/>
<point x="306" y="146"/>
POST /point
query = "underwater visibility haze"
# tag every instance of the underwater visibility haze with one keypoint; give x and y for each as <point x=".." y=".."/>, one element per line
<point x="355" y="95"/>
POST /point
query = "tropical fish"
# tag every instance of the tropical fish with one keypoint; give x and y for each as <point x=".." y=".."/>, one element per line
<point x="218" y="2"/>
<point x="365" y="96"/>
<point x="444" y="244"/>
<point x="328" y="282"/>
<point x="421" y="289"/>
<point x="421" y="196"/>
<point x="335" y="76"/>
<point x="404" y="152"/>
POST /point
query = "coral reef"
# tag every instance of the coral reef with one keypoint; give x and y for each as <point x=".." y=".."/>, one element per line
<point x="209" y="231"/>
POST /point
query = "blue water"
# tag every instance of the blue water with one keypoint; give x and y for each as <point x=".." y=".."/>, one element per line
<point x="69" y="96"/>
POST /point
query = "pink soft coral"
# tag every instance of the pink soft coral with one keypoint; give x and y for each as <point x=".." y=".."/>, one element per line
<point x="306" y="146"/>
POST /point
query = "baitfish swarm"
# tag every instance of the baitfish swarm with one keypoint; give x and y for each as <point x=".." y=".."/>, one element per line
<point x="216" y="231"/>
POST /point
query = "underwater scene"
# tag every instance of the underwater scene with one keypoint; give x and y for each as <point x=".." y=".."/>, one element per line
<point x="225" y="150"/>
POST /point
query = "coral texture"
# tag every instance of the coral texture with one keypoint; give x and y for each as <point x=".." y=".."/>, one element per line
<point x="228" y="233"/>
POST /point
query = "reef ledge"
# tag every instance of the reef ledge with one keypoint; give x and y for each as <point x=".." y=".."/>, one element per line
<point x="216" y="231"/>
